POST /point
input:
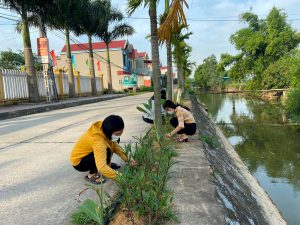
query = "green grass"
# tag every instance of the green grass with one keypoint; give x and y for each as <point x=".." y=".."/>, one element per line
<point x="211" y="141"/>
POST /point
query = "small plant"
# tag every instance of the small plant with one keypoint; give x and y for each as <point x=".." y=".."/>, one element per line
<point x="91" y="212"/>
<point x="211" y="141"/>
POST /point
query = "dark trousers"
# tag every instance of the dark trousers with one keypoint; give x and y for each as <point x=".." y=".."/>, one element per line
<point x="88" y="162"/>
<point x="189" y="128"/>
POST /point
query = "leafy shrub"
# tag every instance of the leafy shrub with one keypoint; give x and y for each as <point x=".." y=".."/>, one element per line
<point x="144" y="187"/>
<point x="293" y="103"/>
<point x="145" y="89"/>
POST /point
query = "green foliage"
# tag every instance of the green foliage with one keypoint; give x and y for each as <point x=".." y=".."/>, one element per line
<point x="80" y="218"/>
<point x="146" y="89"/>
<point x="293" y="103"/>
<point x="11" y="60"/>
<point x="91" y="211"/>
<point x="282" y="73"/>
<point x="208" y="75"/>
<point x="262" y="44"/>
<point x="211" y="141"/>
<point x="144" y="187"/>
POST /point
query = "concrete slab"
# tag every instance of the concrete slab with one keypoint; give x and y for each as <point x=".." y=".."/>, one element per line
<point x="192" y="184"/>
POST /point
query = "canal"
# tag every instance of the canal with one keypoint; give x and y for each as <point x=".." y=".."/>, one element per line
<point x="267" y="144"/>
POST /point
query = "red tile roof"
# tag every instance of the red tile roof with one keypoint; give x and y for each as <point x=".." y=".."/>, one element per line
<point x="133" y="54"/>
<point x="142" y="54"/>
<point x="163" y="67"/>
<point x="96" y="46"/>
<point x="123" y="72"/>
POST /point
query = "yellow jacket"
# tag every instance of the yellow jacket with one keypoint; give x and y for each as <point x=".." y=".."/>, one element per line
<point x="94" y="140"/>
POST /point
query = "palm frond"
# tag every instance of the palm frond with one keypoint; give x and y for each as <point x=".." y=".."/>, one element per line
<point x="173" y="21"/>
<point x="132" y="5"/>
<point x="121" y="30"/>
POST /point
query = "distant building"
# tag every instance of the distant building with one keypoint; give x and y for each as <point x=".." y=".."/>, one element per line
<point x="127" y="65"/>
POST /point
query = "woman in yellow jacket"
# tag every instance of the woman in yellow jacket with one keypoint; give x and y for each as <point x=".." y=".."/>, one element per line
<point x="94" y="149"/>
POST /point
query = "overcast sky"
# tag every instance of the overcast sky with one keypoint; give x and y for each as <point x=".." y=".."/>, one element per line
<point x="209" y="37"/>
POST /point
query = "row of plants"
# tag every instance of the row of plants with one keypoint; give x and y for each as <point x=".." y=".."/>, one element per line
<point x="142" y="190"/>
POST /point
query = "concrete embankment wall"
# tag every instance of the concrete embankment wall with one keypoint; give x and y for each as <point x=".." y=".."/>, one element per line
<point x="244" y="200"/>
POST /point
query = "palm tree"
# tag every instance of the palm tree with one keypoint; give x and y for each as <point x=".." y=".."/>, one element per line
<point x="152" y="4"/>
<point x="112" y="28"/>
<point x="172" y="22"/>
<point x="65" y="16"/>
<point x="89" y="23"/>
<point x="23" y="7"/>
<point x="180" y="54"/>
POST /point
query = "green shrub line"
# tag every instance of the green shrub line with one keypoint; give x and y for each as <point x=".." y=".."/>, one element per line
<point x="141" y="189"/>
<point x="144" y="187"/>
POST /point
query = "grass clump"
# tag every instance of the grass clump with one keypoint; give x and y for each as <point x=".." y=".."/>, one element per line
<point x="211" y="141"/>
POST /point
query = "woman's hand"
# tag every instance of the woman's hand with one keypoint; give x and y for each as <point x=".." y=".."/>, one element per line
<point x="169" y="135"/>
<point x="132" y="162"/>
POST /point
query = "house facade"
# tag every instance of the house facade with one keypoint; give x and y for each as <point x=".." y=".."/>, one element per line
<point x="128" y="69"/>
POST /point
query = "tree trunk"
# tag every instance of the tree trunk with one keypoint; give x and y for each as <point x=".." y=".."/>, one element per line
<point x="109" y="79"/>
<point x="179" y="75"/>
<point x="42" y="28"/>
<point x="33" y="90"/>
<point x="70" y="67"/>
<point x="169" y="72"/>
<point x="91" y="66"/>
<point x="155" y="63"/>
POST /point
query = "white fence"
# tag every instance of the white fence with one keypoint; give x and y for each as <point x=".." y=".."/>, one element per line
<point x="14" y="84"/>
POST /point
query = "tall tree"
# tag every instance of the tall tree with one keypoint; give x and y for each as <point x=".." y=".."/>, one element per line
<point x="112" y="28"/>
<point x="181" y="53"/>
<point x="23" y="7"/>
<point x="89" y="23"/>
<point x="11" y="60"/>
<point x="261" y="43"/>
<point x="171" y="21"/>
<point x="207" y="75"/>
<point x="65" y="16"/>
<point x="152" y="5"/>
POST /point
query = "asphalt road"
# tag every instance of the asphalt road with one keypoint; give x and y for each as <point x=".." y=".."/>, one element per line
<point x="37" y="183"/>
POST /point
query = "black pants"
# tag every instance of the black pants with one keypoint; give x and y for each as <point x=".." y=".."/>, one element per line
<point x="189" y="128"/>
<point x="88" y="162"/>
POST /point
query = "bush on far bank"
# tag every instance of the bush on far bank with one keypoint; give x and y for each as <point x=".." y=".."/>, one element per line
<point x="293" y="103"/>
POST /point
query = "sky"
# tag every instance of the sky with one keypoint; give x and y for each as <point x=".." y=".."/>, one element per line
<point x="211" y="21"/>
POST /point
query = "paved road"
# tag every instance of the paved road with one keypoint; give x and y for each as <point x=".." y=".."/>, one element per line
<point x="37" y="183"/>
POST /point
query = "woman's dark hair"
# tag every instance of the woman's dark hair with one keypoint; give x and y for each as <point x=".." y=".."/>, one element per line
<point x="112" y="124"/>
<point x="172" y="105"/>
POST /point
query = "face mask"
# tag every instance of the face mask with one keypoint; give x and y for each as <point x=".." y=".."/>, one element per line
<point x="170" y="112"/>
<point x="115" y="137"/>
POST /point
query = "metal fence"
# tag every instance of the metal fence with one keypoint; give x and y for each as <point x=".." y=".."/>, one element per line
<point x="13" y="84"/>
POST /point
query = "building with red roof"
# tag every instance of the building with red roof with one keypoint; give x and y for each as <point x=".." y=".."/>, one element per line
<point x="125" y="61"/>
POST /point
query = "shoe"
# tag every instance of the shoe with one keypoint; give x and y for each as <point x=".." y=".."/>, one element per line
<point x="115" y="166"/>
<point x="95" y="180"/>
<point x="183" y="140"/>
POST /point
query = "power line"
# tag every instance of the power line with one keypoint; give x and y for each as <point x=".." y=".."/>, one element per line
<point x="3" y="14"/>
<point x="206" y="19"/>
<point x="79" y="44"/>
<point x="9" y="18"/>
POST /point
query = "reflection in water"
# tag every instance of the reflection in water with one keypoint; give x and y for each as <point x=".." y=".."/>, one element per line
<point x="266" y="144"/>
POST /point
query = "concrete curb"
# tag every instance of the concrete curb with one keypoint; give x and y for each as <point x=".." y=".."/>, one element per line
<point x="54" y="106"/>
